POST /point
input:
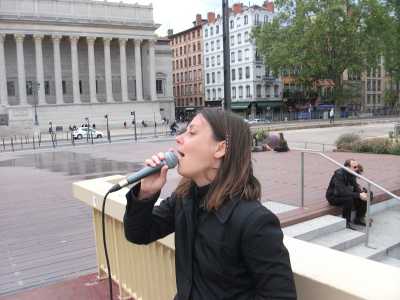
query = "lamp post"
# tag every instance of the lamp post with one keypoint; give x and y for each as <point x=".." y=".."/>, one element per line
<point x="36" y="88"/>
<point x="226" y="55"/>
<point x="133" y="114"/>
<point x="108" y="129"/>
<point x="51" y="127"/>
<point x="88" y="127"/>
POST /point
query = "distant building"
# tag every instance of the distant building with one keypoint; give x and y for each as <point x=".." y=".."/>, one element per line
<point x="254" y="91"/>
<point x="187" y="67"/>
<point x="82" y="59"/>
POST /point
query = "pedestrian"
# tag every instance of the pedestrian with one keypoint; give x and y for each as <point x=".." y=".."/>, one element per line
<point x="124" y="124"/>
<point x="343" y="191"/>
<point x="94" y="126"/>
<point x="332" y="116"/>
<point x="227" y="244"/>
<point x="282" y="145"/>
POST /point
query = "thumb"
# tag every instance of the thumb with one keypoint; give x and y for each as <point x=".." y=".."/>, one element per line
<point x="164" y="171"/>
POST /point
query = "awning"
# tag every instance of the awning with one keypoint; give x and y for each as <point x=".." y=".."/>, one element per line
<point x="271" y="104"/>
<point x="240" y="105"/>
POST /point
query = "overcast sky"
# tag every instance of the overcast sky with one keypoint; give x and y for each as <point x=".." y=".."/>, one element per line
<point x="178" y="14"/>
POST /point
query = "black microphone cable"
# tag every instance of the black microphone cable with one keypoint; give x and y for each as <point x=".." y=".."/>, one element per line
<point x="105" y="243"/>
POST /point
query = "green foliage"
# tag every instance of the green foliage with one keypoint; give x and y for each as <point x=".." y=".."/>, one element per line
<point x="390" y="98"/>
<point x="375" y="145"/>
<point x="395" y="148"/>
<point x="319" y="39"/>
<point x="346" y="141"/>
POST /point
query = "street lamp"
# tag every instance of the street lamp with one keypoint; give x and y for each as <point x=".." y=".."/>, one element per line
<point x="108" y="129"/>
<point x="36" y="88"/>
<point x="133" y="114"/>
<point x="51" y="127"/>
<point x="87" y="132"/>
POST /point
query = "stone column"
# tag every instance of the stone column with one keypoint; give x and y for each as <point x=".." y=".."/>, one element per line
<point x="107" y="67"/>
<point x="75" y="68"/>
<point x="3" y="76"/>
<point x="152" y="73"/>
<point x="138" y="71"/>
<point x="41" y="98"/>
<point x="57" y="69"/>
<point x="19" y="38"/>
<point x="124" y="79"/>
<point x="92" y="69"/>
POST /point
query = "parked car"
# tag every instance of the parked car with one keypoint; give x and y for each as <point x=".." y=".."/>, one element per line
<point x="257" y="121"/>
<point x="82" y="132"/>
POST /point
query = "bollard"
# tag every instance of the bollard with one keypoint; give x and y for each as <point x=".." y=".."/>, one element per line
<point x="33" y="142"/>
<point x="91" y="137"/>
<point x="4" y="145"/>
<point x="12" y="144"/>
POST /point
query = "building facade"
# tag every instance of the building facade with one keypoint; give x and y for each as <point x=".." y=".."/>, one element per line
<point x="187" y="66"/>
<point x="76" y="59"/>
<point x="254" y="91"/>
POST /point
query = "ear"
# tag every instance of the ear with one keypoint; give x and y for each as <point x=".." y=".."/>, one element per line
<point x="220" y="149"/>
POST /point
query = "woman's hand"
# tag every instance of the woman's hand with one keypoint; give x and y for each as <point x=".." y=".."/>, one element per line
<point x="152" y="184"/>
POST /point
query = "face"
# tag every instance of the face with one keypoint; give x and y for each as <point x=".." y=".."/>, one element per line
<point x="354" y="165"/>
<point x="200" y="154"/>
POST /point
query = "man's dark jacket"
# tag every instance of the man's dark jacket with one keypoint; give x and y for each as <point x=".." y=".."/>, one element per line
<point x="342" y="185"/>
<point x="234" y="253"/>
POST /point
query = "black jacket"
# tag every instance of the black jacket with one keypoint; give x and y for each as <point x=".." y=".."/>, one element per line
<point x="342" y="185"/>
<point x="233" y="253"/>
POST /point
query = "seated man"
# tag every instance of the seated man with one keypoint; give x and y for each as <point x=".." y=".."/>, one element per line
<point x="344" y="191"/>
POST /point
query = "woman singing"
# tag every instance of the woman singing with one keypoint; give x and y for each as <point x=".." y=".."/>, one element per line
<point x="227" y="244"/>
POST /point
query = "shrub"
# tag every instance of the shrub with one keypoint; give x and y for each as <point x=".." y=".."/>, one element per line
<point x="395" y="148"/>
<point x="375" y="145"/>
<point x="345" y="141"/>
<point x="260" y="135"/>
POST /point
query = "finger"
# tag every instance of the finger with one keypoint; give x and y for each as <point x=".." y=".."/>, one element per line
<point x="161" y="155"/>
<point x="164" y="171"/>
<point x="149" y="162"/>
<point x="156" y="159"/>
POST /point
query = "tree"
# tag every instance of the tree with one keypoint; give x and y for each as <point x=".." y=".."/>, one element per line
<point x="320" y="39"/>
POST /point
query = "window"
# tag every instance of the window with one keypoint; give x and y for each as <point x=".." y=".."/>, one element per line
<point x="207" y="62"/>
<point x="29" y="88"/>
<point x="246" y="20"/>
<point x="64" y="87"/>
<point x="206" y="32"/>
<point x="240" y="71"/>
<point x="180" y="50"/>
<point x="218" y="60"/>
<point x="47" y="87"/>
<point x="97" y="86"/>
<point x="194" y="75"/>
<point x="378" y="85"/>
<point x="240" y="56"/>
<point x="11" y="88"/>
<point x="247" y="72"/>
<point x="184" y="49"/>
<point x="213" y="77"/>
<point x="218" y="44"/>
<point x="212" y="61"/>
<point x="256" y="19"/>
<point x="378" y="99"/>
<point x="258" y="88"/>
<point x="198" y="46"/>
<point x="214" y="94"/>
<point x="240" y="91"/>
<point x="232" y="24"/>
<point x="246" y="36"/>
<point x="217" y="29"/>
<point x="208" y="94"/>
<point x="248" y="91"/>
<point x="190" y="75"/>
<point x="212" y="46"/>
<point x="159" y="86"/>
<point x="233" y="92"/>
<point x="173" y="78"/>
<point x="233" y="74"/>
<point x="265" y="19"/>
<point x="211" y="31"/>
<point x="206" y="47"/>
<point x="199" y="74"/>
<point x="232" y="40"/>
<point x="219" y="93"/>
<point x="232" y="57"/>
<point x="246" y="54"/>
<point x="239" y="38"/>
<point x="199" y="59"/>
<point x="190" y="61"/>
<point x="238" y="22"/>
<point x="194" y="60"/>
<point x="80" y="87"/>
<point x="208" y="78"/>
<point x="194" y="46"/>
<point x="276" y="90"/>
<point x="218" y="77"/>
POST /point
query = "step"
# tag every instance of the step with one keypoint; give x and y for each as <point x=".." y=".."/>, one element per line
<point x="315" y="228"/>
<point x="370" y="252"/>
<point x="387" y="260"/>
<point x="341" y="240"/>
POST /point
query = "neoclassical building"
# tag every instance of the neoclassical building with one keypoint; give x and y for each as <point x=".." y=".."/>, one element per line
<point x="77" y="59"/>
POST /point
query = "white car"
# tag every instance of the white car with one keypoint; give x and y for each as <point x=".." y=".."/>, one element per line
<point x="82" y="132"/>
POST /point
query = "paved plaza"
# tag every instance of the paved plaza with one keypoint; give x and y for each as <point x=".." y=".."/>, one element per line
<point x="47" y="235"/>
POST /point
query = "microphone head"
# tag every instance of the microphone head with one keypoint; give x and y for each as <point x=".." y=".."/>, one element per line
<point x="171" y="159"/>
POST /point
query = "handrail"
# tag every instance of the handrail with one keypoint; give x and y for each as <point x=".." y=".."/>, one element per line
<point x="370" y="182"/>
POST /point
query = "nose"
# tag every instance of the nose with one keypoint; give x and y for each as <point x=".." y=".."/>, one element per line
<point x="178" y="139"/>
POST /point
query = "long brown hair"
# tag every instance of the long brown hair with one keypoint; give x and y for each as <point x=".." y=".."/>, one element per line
<point x="235" y="175"/>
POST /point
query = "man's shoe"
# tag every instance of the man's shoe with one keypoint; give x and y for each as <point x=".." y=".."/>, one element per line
<point x="359" y="221"/>
<point x="350" y="226"/>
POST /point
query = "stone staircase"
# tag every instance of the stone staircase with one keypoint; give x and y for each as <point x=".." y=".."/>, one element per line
<point x="330" y="231"/>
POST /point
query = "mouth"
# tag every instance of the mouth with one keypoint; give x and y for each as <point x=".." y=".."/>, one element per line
<point x="180" y="154"/>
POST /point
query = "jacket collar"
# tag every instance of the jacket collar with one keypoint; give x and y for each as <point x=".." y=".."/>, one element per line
<point x="226" y="210"/>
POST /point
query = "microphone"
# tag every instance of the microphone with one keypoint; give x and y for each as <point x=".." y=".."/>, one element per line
<point x="171" y="160"/>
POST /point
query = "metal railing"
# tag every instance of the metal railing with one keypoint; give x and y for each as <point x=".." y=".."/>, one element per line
<point x="368" y="181"/>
